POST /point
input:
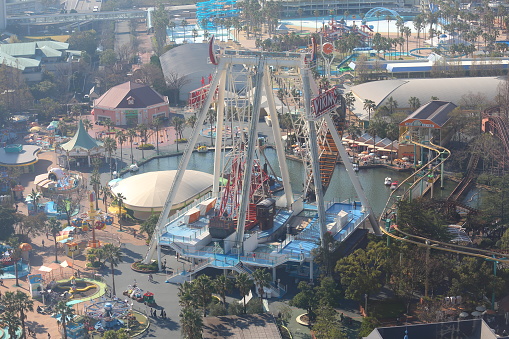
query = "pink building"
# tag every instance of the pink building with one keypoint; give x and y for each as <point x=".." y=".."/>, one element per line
<point x="130" y="104"/>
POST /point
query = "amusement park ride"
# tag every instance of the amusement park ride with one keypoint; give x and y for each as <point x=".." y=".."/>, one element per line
<point x="230" y="227"/>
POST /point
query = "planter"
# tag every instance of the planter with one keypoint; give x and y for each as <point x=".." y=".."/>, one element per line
<point x="145" y="269"/>
<point x="303" y="319"/>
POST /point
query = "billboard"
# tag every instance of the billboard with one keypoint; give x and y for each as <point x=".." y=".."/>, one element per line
<point x="324" y="103"/>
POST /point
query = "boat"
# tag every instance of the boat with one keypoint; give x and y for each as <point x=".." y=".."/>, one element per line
<point x="355" y="167"/>
<point x="134" y="168"/>
<point x="394" y="185"/>
<point x="202" y="149"/>
<point x="388" y="181"/>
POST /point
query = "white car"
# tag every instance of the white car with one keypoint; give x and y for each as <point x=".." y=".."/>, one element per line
<point x="96" y="9"/>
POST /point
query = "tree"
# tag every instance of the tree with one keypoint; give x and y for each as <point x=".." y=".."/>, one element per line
<point x="211" y="118"/>
<point x="35" y="196"/>
<point x="420" y="217"/>
<point x="119" y="200"/>
<point x="327" y="325"/>
<point x="108" y="58"/>
<point x="121" y="139"/>
<point x="156" y="125"/>
<point x="191" y="323"/>
<point x="149" y="225"/>
<point x="261" y="279"/>
<point x="179" y="124"/>
<point x="183" y="24"/>
<point x="143" y="130"/>
<point x="113" y="255"/>
<point x="203" y="292"/>
<point x="191" y="121"/>
<point x="15" y="242"/>
<point x="9" y="218"/>
<point x="326" y="254"/>
<point x="110" y="146"/>
<point x="54" y="227"/>
<point x="160" y="22"/>
<point x="87" y="124"/>
<point x="84" y="41"/>
<point x="118" y="334"/>
<point x="131" y="134"/>
<point x="66" y="315"/>
<point x="414" y="103"/>
<point x="362" y="272"/>
<point x="369" y="106"/>
<point x="69" y="204"/>
<point x="222" y="285"/>
<point x="186" y="295"/>
<point x="20" y="303"/>
<point x="244" y="284"/>
<point x="306" y="299"/>
<point x="175" y="82"/>
<point x="12" y="320"/>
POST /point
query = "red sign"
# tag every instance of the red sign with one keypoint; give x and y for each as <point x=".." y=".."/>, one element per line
<point x="324" y="103"/>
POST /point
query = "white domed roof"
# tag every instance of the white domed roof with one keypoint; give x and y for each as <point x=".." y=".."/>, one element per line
<point x="148" y="191"/>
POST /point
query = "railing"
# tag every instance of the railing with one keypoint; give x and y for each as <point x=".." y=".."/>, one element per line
<point x="180" y="238"/>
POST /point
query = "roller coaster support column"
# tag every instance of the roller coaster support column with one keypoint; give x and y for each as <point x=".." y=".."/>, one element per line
<point x="442" y="169"/>
<point x="388" y="229"/>
<point x="219" y="136"/>
<point x="495" y="262"/>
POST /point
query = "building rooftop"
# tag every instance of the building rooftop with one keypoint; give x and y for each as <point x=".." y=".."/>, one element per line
<point x="81" y="140"/>
<point x="27" y="156"/>
<point x="249" y="326"/>
<point x="129" y="95"/>
<point x="435" y="111"/>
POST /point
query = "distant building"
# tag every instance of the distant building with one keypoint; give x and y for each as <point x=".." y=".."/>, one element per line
<point x="33" y="58"/>
<point x="462" y="329"/>
<point x="130" y="104"/>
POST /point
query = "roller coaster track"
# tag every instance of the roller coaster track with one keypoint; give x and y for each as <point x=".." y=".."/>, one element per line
<point x="442" y="154"/>
<point x="468" y="178"/>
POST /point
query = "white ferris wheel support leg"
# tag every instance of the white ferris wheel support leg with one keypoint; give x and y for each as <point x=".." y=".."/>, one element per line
<point x="219" y="135"/>
<point x="252" y="141"/>
<point x="313" y="149"/>
<point x="351" y="174"/>
<point x="281" y="158"/>
<point x="164" y="216"/>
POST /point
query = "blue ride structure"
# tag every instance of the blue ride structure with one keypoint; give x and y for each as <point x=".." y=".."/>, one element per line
<point x="208" y="12"/>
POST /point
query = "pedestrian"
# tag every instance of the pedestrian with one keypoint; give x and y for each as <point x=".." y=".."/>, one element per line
<point x="135" y="283"/>
<point x="164" y="314"/>
<point x="16" y="207"/>
<point x="150" y="277"/>
<point x="1" y="282"/>
<point x="49" y="336"/>
<point x="151" y="312"/>
<point x="134" y="233"/>
<point x="42" y="243"/>
<point x="342" y="316"/>
<point x="161" y="314"/>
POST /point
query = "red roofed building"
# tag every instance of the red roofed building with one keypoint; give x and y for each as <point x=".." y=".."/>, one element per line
<point x="130" y="104"/>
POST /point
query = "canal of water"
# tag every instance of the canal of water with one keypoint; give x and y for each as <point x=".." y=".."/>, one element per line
<point x="340" y="187"/>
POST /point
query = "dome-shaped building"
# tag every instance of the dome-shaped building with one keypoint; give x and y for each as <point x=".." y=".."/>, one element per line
<point x="147" y="192"/>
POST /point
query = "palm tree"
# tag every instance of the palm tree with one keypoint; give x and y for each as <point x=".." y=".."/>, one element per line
<point x="12" y="320"/>
<point x="172" y="26"/>
<point x="109" y="124"/>
<point x="369" y="106"/>
<point x="18" y="302"/>
<point x="110" y="146"/>
<point x="392" y="104"/>
<point x="105" y="191"/>
<point x="15" y="255"/>
<point x="222" y="285"/>
<point x="300" y="11"/>
<point x="54" y="227"/>
<point x="87" y="124"/>
<point x="244" y="284"/>
<point x="119" y="200"/>
<point x="414" y="103"/>
<point x="183" y="24"/>
<point x="203" y="291"/>
<point x="113" y="255"/>
<point x="316" y="13"/>
<point x="191" y="323"/>
<point x="35" y="196"/>
<point x="131" y="134"/>
<point x="156" y="125"/>
<point x="121" y="139"/>
<point x="179" y="124"/>
<point x="195" y="34"/>
<point x="66" y="314"/>
<point x="143" y="129"/>
<point x="186" y="294"/>
<point x="211" y="117"/>
<point x="262" y="279"/>
<point x="191" y="121"/>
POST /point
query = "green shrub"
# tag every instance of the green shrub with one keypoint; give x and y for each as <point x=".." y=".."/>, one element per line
<point x="146" y="146"/>
<point x="235" y="308"/>
<point x="255" y="306"/>
<point x="182" y="140"/>
<point x="217" y="309"/>
<point x="153" y="266"/>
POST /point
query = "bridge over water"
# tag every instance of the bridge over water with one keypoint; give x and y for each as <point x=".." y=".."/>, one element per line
<point x="76" y="17"/>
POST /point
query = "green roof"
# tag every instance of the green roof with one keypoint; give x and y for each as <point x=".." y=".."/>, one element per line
<point x="19" y="49"/>
<point x="81" y="140"/>
<point x="49" y="52"/>
<point x="52" y="44"/>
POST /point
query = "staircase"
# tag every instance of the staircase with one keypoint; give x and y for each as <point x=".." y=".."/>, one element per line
<point x="180" y="276"/>
<point x="251" y="220"/>
<point x="276" y="292"/>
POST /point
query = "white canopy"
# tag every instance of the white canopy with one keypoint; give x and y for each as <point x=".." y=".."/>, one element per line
<point x="148" y="191"/>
